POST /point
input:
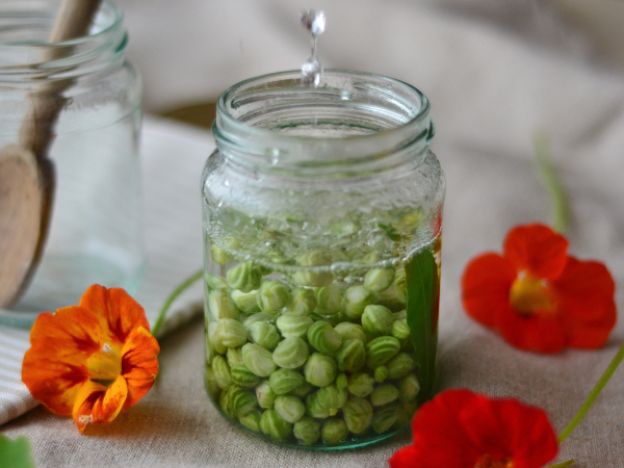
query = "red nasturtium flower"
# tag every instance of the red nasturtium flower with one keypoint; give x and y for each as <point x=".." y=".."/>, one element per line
<point x="91" y="360"/>
<point x="539" y="298"/>
<point x="462" y="429"/>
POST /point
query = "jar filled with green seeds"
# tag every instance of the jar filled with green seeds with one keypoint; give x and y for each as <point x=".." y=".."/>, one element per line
<point x="322" y="214"/>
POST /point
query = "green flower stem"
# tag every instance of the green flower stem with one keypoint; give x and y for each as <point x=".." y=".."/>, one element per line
<point x="558" y="195"/>
<point x="591" y="398"/>
<point x="564" y="464"/>
<point x="179" y="289"/>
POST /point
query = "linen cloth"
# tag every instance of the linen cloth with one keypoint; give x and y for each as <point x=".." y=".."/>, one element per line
<point x="492" y="87"/>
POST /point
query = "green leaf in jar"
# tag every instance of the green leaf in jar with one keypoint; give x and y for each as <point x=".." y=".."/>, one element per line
<point x="422" y="312"/>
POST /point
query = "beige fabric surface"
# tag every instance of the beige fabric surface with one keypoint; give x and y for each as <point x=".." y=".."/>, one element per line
<point x="491" y="90"/>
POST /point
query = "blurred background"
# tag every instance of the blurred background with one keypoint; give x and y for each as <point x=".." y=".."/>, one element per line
<point x="189" y="51"/>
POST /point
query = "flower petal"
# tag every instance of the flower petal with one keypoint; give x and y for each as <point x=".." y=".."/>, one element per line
<point x="121" y="312"/>
<point x="54" y="366"/>
<point x="439" y="439"/>
<point x="543" y="333"/>
<point x="486" y="284"/>
<point x="139" y="363"/>
<point x="537" y="249"/>
<point x="53" y="382"/>
<point x="97" y="404"/>
<point x="585" y="293"/>
<point x="458" y="428"/>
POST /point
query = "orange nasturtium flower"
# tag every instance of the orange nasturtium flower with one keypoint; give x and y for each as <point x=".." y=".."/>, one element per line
<point x="537" y="296"/>
<point x="91" y="360"/>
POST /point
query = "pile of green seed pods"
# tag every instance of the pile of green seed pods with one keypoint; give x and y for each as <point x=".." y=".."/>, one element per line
<point x="303" y="357"/>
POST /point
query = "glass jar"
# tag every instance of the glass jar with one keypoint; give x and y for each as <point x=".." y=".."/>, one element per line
<point x="95" y="231"/>
<point x="322" y="220"/>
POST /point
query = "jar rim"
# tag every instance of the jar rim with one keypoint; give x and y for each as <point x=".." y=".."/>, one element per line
<point x="27" y="58"/>
<point x="108" y="9"/>
<point x="405" y="108"/>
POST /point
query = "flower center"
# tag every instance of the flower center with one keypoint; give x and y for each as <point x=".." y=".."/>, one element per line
<point x="530" y="294"/>
<point x="104" y="366"/>
<point x="488" y="461"/>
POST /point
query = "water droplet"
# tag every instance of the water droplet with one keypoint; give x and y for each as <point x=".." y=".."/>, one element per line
<point x="226" y="183"/>
<point x="314" y="21"/>
<point x="311" y="71"/>
<point x="345" y="95"/>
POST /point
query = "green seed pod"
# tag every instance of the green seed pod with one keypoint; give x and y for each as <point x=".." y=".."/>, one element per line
<point x="258" y="360"/>
<point x="236" y="402"/>
<point x="356" y="298"/>
<point x="358" y="414"/>
<point x="302" y="390"/>
<point x="351" y="356"/>
<point x="395" y="296"/>
<point x="221" y="372"/>
<point x="219" y="255"/>
<point x="234" y="356"/>
<point x="406" y="411"/>
<point x="251" y="421"/>
<point x="290" y="408"/>
<point x="400" y="315"/>
<point x="334" y="431"/>
<point x="231" y="333"/>
<point x="361" y="385"/>
<point x="259" y="317"/>
<point x="284" y="381"/>
<point x="343" y="395"/>
<point x="244" y="276"/>
<point x="385" y="418"/>
<point x="348" y="330"/>
<point x="307" y="431"/>
<point x="381" y="350"/>
<point x="214" y="340"/>
<point x="329" y="300"/>
<point x="221" y="305"/>
<point x="342" y="381"/>
<point x="401" y="365"/>
<point x="291" y="353"/>
<point x="265" y="395"/>
<point x="273" y="296"/>
<point x="377" y="320"/>
<point x="325" y="402"/>
<point x="400" y="329"/>
<point x="311" y="276"/>
<point x="264" y="334"/>
<point x="293" y="325"/>
<point x="323" y="337"/>
<point x="384" y="394"/>
<point x="319" y="370"/>
<point x="243" y="377"/>
<point x="242" y="401"/>
<point x="213" y="282"/>
<point x="381" y="374"/>
<point x="273" y="426"/>
<point x="246" y="302"/>
<point x="302" y="302"/>
<point x="409" y="387"/>
<point x="210" y="382"/>
<point x="378" y="279"/>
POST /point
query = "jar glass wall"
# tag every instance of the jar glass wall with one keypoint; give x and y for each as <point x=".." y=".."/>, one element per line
<point x="322" y="222"/>
<point x="95" y="230"/>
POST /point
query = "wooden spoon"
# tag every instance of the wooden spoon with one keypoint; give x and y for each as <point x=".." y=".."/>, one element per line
<point x="26" y="172"/>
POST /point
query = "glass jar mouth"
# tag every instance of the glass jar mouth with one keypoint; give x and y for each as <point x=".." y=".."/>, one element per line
<point x="27" y="54"/>
<point x="349" y="117"/>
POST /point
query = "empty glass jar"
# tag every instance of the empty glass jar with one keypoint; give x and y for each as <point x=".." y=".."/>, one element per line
<point x="95" y="230"/>
<point x="322" y="222"/>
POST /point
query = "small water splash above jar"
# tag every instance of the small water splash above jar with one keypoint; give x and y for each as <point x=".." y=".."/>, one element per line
<point x="314" y="22"/>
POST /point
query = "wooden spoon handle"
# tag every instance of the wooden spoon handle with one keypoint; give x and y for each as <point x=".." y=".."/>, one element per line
<point x="37" y="130"/>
